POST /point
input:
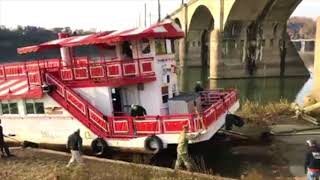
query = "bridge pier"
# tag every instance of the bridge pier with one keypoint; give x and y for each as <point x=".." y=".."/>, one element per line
<point x="182" y="52"/>
<point x="253" y="40"/>
<point x="316" y="71"/>
<point x="214" y="54"/>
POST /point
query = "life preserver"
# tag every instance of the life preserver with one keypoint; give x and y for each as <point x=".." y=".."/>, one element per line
<point x="153" y="143"/>
<point x="99" y="147"/>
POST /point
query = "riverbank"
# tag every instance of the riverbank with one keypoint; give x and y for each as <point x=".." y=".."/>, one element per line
<point x="287" y="140"/>
<point x="39" y="164"/>
<point x="257" y="158"/>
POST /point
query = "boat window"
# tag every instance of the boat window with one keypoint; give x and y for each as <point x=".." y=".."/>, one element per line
<point x="9" y="108"/>
<point x="34" y="108"/>
<point x="127" y="49"/>
<point x="39" y="108"/>
<point x="161" y="46"/>
<point x="5" y="108"/>
<point x="29" y="108"/>
<point x="145" y="46"/>
<point x="165" y="94"/>
<point x="13" y="107"/>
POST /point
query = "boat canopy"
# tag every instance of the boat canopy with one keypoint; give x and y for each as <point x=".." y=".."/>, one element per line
<point x="17" y="88"/>
<point x="58" y="43"/>
<point x="165" y="29"/>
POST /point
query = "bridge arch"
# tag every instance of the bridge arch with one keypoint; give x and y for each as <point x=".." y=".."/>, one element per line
<point x="262" y="39"/>
<point x="238" y="35"/>
<point x="198" y="36"/>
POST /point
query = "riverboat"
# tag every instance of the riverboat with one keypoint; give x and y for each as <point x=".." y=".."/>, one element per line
<point x="44" y="101"/>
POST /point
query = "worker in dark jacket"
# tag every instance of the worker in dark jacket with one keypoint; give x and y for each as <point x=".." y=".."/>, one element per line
<point x="3" y="144"/>
<point x="312" y="161"/>
<point x="198" y="87"/>
<point x="137" y="110"/>
<point x="74" y="144"/>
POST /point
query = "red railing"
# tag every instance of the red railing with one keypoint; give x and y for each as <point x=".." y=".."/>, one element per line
<point x="115" y="69"/>
<point x="80" y="108"/>
<point x="128" y="126"/>
<point x="172" y="124"/>
<point x="216" y="103"/>
<point x="82" y="69"/>
<point x="119" y="126"/>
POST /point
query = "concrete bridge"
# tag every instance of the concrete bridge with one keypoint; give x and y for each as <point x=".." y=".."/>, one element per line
<point x="238" y="38"/>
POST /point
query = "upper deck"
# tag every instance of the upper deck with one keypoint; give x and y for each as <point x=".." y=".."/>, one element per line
<point x="83" y="72"/>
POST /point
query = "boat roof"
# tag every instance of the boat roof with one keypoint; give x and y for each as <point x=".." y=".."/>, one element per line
<point x="19" y="88"/>
<point x="163" y="30"/>
<point x="58" y="43"/>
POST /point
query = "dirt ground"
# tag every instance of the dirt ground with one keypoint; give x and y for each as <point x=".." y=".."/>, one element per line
<point x="280" y="157"/>
<point x="30" y="164"/>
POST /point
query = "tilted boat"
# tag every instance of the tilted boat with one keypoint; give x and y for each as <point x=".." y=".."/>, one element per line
<point x="44" y="101"/>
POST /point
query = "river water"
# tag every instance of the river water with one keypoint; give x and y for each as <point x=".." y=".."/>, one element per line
<point x="260" y="90"/>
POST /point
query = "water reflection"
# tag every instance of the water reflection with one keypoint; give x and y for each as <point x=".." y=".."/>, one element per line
<point x="258" y="89"/>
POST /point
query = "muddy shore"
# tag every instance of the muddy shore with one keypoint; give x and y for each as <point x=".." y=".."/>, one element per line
<point x="39" y="164"/>
<point x="279" y="156"/>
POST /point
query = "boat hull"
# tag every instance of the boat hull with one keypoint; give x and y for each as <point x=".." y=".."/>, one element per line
<point x="55" y="130"/>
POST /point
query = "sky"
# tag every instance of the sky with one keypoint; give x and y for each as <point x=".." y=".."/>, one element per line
<point x="99" y="14"/>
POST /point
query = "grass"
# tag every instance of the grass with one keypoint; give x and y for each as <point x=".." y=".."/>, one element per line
<point x="257" y="114"/>
<point x="200" y="166"/>
<point x="34" y="165"/>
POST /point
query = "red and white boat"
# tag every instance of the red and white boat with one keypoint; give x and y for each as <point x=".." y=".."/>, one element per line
<point x="43" y="101"/>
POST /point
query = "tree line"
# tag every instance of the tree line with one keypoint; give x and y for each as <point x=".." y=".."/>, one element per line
<point x="11" y="39"/>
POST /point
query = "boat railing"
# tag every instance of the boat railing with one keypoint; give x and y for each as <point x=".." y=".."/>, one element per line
<point x="130" y="127"/>
<point x="114" y="69"/>
<point x="82" y="106"/>
<point x="82" y="69"/>
<point x="172" y="124"/>
<point x="216" y="103"/>
<point x="146" y="125"/>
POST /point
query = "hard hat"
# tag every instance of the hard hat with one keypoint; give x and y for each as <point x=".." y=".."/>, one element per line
<point x="311" y="142"/>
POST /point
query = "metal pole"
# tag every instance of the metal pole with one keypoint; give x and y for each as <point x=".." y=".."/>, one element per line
<point x="182" y="2"/>
<point x="139" y="20"/>
<point x="150" y="19"/>
<point x="145" y="14"/>
<point x="159" y="13"/>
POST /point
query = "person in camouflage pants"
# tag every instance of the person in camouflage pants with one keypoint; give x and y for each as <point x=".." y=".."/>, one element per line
<point x="182" y="149"/>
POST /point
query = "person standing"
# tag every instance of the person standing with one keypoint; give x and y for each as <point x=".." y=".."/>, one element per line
<point x="74" y="144"/>
<point x="3" y="144"/>
<point x="183" y="157"/>
<point x="312" y="160"/>
<point x="137" y="110"/>
<point x="198" y="87"/>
